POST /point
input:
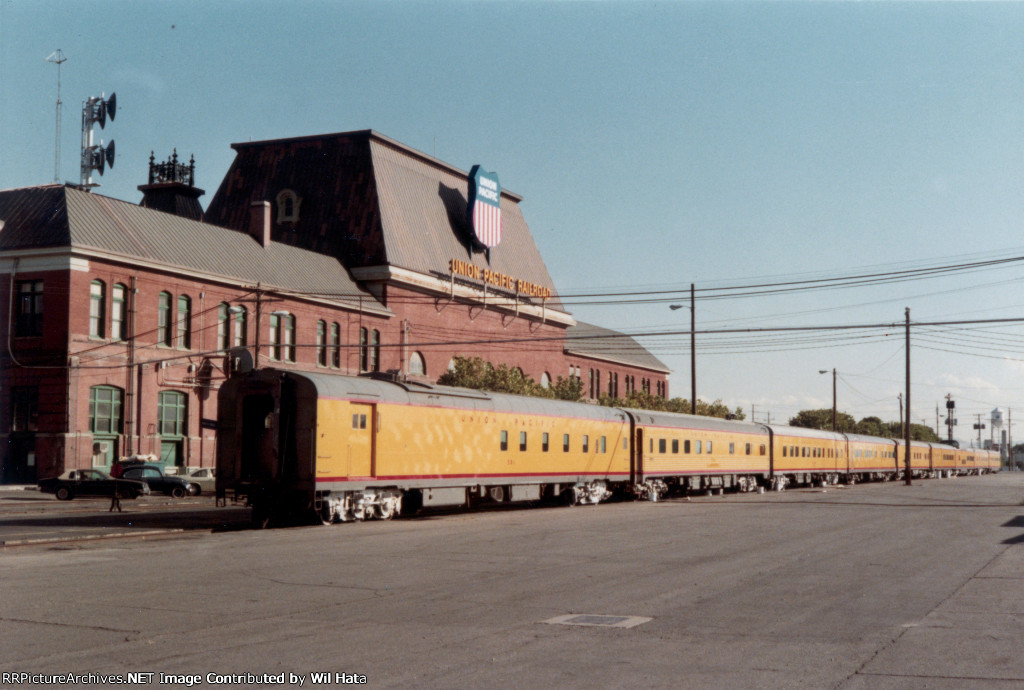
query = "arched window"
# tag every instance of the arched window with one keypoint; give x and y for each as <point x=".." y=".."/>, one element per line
<point x="239" y="338"/>
<point x="321" y="343"/>
<point x="275" y="337"/>
<point x="289" y="337"/>
<point x="97" y="308"/>
<point x="223" y="326"/>
<point x="288" y="206"/>
<point x="364" y="350"/>
<point x="185" y="322"/>
<point x="417" y="367"/>
<point x="171" y="413"/>
<point x="172" y="424"/>
<point x="335" y="345"/>
<point x="545" y="380"/>
<point x="163" y="324"/>
<point x="105" y="403"/>
<point x="375" y="350"/>
<point x="105" y="422"/>
<point x="117" y="323"/>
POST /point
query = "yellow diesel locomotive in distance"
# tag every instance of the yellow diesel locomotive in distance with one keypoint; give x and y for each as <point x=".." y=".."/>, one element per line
<point x="340" y="448"/>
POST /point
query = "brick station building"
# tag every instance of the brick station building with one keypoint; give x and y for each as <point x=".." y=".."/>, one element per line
<point x="344" y="252"/>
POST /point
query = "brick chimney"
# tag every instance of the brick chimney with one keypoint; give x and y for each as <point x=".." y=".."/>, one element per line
<point x="259" y="222"/>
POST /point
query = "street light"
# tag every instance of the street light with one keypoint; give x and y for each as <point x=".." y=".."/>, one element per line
<point x="825" y="371"/>
<point x="693" y="350"/>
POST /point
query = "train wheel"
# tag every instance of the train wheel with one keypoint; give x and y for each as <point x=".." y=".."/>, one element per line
<point x="325" y="514"/>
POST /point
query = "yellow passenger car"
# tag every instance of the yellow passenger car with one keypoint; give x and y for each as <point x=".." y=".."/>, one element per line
<point x="352" y="447"/>
<point x="804" y="456"/>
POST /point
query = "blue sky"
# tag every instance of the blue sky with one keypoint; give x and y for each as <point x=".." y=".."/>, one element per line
<point x="655" y="145"/>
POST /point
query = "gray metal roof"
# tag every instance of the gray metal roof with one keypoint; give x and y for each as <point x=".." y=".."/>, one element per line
<point x="804" y="432"/>
<point x="696" y="422"/>
<point x="862" y="438"/>
<point x="588" y="340"/>
<point x="423" y="216"/>
<point x="64" y="216"/>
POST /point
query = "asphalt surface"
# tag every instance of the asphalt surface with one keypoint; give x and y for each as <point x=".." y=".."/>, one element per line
<point x="30" y="517"/>
<point x="875" y="586"/>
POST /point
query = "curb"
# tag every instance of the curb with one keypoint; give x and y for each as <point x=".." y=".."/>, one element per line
<point x="88" y="537"/>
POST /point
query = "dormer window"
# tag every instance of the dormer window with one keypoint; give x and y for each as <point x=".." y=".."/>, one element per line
<point x="288" y="206"/>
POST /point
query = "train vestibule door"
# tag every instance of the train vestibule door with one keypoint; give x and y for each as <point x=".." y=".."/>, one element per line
<point x="361" y="441"/>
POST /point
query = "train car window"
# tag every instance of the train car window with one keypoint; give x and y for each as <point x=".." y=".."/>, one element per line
<point x="784" y="451"/>
<point x="565" y="443"/>
<point x="586" y="443"/>
<point x="748" y="449"/>
<point x="652" y="445"/>
<point x="544" y="442"/>
<point x="696" y="448"/>
<point x="355" y="421"/>
<point x="661" y="445"/>
<point x="504" y="440"/>
<point x="362" y="421"/>
<point x="709" y="447"/>
<point x="763" y="449"/>
<point x="604" y="446"/>
<point x="625" y="443"/>
<point x="675" y="446"/>
<point x="732" y="449"/>
<point x="522" y="440"/>
<point x="686" y="446"/>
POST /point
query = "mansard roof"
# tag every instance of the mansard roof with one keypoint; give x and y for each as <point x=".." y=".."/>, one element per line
<point x="57" y="216"/>
<point x="372" y="201"/>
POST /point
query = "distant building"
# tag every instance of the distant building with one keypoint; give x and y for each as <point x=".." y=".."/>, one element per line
<point x="344" y="252"/>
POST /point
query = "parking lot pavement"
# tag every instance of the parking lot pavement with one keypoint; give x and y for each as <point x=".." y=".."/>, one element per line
<point x="30" y="517"/>
<point x="876" y="586"/>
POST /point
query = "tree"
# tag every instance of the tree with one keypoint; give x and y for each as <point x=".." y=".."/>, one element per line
<point x="872" y="426"/>
<point x="476" y="373"/>
<point x="822" y="419"/>
<point x="642" y="400"/>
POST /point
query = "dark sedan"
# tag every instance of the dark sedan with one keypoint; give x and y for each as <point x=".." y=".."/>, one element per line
<point x="157" y="480"/>
<point x="91" y="483"/>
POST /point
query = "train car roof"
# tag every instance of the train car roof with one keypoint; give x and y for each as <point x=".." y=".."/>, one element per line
<point x="688" y="421"/>
<point x="365" y="388"/>
<point x="864" y="438"/>
<point x="804" y="432"/>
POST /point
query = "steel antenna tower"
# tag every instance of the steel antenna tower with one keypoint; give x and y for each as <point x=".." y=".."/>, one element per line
<point x="57" y="57"/>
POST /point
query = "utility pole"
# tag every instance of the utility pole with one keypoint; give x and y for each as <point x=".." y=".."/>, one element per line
<point x="906" y="426"/>
<point x="693" y="352"/>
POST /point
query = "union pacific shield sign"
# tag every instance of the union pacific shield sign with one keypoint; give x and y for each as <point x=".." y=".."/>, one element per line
<point x="485" y="206"/>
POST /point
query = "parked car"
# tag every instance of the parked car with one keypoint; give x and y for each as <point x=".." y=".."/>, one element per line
<point x="91" y="483"/>
<point x="154" y="476"/>
<point x="203" y="479"/>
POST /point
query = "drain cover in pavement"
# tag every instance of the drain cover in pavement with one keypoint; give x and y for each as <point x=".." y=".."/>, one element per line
<point x="601" y="621"/>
